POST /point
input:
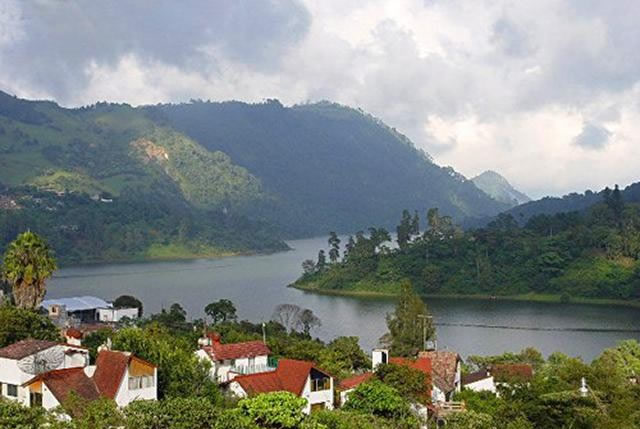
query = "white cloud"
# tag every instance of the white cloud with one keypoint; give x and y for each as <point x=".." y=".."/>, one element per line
<point x="506" y="85"/>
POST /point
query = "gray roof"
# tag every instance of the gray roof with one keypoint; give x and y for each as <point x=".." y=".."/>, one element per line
<point x="78" y="303"/>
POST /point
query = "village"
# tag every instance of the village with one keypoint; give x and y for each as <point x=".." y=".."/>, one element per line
<point x="42" y="373"/>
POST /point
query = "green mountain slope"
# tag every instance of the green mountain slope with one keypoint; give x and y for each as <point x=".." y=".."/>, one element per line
<point x="500" y="189"/>
<point x="327" y="166"/>
<point x="117" y="152"/>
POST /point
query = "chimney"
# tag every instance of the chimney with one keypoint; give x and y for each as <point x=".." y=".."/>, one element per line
<point x="378" y="357"/>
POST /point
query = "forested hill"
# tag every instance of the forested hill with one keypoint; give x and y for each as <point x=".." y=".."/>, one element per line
<point x="329" y="167"/>
<point x="569" y="203"/>
<point x="590" y="254"/>
<point x="105" y="182"/>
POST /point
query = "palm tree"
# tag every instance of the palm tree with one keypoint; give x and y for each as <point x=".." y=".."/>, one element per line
<point x="28" y="264"/>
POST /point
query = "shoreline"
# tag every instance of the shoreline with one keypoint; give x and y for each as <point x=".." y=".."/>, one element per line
<point x="168" y="258"/>
<point x="547" y="298"/>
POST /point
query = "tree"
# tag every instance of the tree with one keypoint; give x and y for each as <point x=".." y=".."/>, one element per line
<point x="403" y="230"/>
<point x="287" y="315"/>
<point x="307" y="320"/>
<point x="334" y="243"/>
<point x="28" y="264"/>
<point x="20" y="323"/>
<point x="349" y="246"/>
<point x="415" y="224"/>
<point x="377" y="398"/>
<point x="277" y="410"/>
<point x="409" y="382"/>
<point x="128" y="301"/>
<point x="221" y="311"/>
<point x="409" y="323"/>
<point x="322" y="261"/>
<point x="308" y="267"/>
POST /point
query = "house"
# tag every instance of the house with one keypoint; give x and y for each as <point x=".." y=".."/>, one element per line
<point x="479" y="381"/>
<point x="230" y="360"/>
<point x="301" y="378"/>
<point x="348" y="385"/>
<point x="116" y="375"/>
<point x="21" y="361"/>
<point x="85" y="309"/>
<point x="379" y="357"/>
<point x="446" y="373"/>
<point x="73" y="336"/>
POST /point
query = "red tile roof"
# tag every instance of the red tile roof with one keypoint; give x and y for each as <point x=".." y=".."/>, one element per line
<point x="62" y="382"/>
<point x="25" y="348"/>
<point x="444" y="366"/>
<point x="475" y="376"/>
<point x="74" y="333"/>
<point x="110" y="369"/>
<point x="355" y="381"/>
<point x="512" y="372"/>
<point x="291" y="376"/>
<point x="219" y="352"/>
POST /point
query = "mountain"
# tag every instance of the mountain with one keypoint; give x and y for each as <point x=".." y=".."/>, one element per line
<point x="328" y="167"/>
<point x="499" y="188"/>
<point x="106" y="182"/>
<point x="109" y="181"/>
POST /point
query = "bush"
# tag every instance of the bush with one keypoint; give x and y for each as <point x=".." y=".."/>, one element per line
<point x="378" y="399"/>
<point x="274" y="410"/>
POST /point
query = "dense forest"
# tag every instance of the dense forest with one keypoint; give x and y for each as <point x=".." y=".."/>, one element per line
<point x="592" y="254"/>
<point x="230" y="168"/>
<point x="328" y="166"/>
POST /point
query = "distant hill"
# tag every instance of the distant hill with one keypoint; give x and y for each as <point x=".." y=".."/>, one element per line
<point x="329" y="167"/>
<point x="499" y="188"/>
<point x="569" y="203"/>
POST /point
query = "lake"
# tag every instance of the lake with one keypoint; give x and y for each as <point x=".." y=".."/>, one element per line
<point x="257" y="284"/>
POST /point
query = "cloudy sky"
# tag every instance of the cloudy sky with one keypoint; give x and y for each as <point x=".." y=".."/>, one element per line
<point x="546" y="92"/>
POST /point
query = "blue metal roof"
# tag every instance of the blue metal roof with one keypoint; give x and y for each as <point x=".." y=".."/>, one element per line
<point x="78" y="303"/>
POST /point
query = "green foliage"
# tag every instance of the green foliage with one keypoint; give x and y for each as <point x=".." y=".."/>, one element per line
<point x="528" y="355"/>
<point x="378" y="399"/>
<point x="408" y="324"/>
<point x="221" y="311"/>
<point x="470" y="420"/>
<point x="594" y="254"/>
<point x="20" y="323"/>
<point x="180" y="372"/>
<point x="27" y="265"/>
<point x="408" y="382"/>
<point x="95" y="339"/>
<point x="172" y="413"/>
<point x="99" y="414"/>
<point x="278" y="410"/>
<point x="352" y="420"/>
<point x="13" y="415"/>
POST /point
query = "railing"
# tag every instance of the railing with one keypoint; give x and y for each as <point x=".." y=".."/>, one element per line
<point x="252" y="369"/>
<point x="443" y="409"/>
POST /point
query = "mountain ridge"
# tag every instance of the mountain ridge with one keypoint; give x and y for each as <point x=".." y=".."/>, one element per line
<point x="498" y="187"/>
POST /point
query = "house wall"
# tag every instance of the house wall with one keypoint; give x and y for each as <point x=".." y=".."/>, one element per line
<point x="116" y="314"/>
<point x="486" y="384"/>
<point x="437" y="395"/>
<point x="236" y="389"/>
<point x="221" y="371"/>
<point x="125" y="396"/>
<point x="48" y="400"/>
<point x="321" y="397"/>
<point x="344" y="396"/>
<point x="458" y="379"/>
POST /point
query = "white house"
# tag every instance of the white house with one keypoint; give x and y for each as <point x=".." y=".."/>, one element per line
<point x="301" y="378"/>
<point x="479" y="381"/>
<point x="85" y="309"/>
<point x="21" y="361"/>
<point x="229" y="360"/>
<point x="117" y="375"/>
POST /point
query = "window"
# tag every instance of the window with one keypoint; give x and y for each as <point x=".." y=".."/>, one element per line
<point x="36" y="399"/>
<point x="318" y="384"/>
<point x="12" y="390"/>
<point x="252" y="362"/>
<point x="142" y="382"/>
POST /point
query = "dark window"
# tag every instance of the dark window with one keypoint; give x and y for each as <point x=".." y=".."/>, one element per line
<point x="384" y="357"/>
<point x="36" y="399"/>
<point x="12" y="390"/>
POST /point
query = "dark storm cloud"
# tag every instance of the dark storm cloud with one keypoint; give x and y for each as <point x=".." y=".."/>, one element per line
<point x="61" y="38"/>
<point x="593" y="137"/>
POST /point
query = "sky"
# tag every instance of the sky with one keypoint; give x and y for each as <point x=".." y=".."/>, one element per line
<point x="545" y="92"/>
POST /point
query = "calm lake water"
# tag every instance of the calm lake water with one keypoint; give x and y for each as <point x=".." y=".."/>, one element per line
<point x="256" y="284"/>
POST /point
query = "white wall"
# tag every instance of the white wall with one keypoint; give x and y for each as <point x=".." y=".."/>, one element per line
<point x="222" y="372"/>
<point x="319" y="397"/>
<point x="48" y="400"/>
<point x="116" y="314"/>
<point x="486" y="384"/>
<point x="125" y="396"/>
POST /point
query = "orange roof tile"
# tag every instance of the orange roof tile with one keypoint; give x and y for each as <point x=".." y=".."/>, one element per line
<point x="110" y="369"/>
<point x="62" y="382"/>
<point x="219" y="352"/>
<point x="291" y="376"/>
<point x="355" y="381"/>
